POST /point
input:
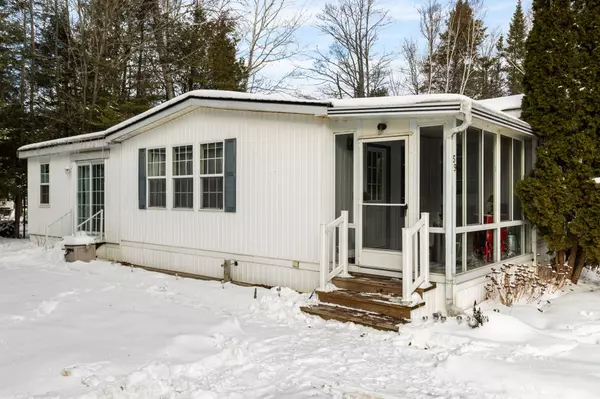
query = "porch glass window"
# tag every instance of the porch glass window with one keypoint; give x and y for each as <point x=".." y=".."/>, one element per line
<point x="211" y="175"/>
<point x="157" y="178"/>
<point x="183" y="177"/>
<point x="44" y="184"/>
<point x="490" y="225"/>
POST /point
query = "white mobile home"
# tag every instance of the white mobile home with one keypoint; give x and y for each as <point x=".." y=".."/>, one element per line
<point x="298" y="192"/>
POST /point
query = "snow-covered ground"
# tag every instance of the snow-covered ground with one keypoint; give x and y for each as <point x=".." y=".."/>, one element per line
<point x="100" y="330"/>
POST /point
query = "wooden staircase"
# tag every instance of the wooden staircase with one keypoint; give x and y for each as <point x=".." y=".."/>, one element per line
<point x="366" y="299"/>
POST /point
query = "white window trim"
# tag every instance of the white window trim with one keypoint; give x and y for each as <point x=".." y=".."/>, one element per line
<point x="201" y="176"/>
<point x="173" y="176"/>
<point x="165" y="177"/>
<point x="44" y="204"/>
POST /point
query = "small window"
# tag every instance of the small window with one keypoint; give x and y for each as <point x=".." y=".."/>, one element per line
<point x="211" y="175"/>
<point x="45" y="184"/>
<point x="183" y="177"/>
<point x="157" y="180"/>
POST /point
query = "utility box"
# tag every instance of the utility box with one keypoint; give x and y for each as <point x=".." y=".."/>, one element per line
<point x="84" y="253"/>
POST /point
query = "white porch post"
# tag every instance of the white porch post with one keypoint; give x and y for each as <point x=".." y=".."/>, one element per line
<point x="344" y="245"/>
<point x="450" y="163"/>
<point x="425" y="250"/>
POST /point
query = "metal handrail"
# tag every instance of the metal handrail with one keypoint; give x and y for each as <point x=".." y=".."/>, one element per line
<point x="100" y="213"/>
<point x="57" y="221"/>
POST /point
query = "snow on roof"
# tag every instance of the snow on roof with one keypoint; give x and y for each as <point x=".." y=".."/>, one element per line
<point x="503" y="103"/>
<point x="63" y="141"/>
<point x="398" y="100"/>
<point x="496" y="105"/>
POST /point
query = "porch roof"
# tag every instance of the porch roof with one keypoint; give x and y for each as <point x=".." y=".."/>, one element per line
<point x="430" y="104"/>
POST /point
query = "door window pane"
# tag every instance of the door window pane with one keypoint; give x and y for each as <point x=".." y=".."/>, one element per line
<point x="473" y="210"/>
<point x="437" y="253"/>
<point x="432" y="173"/>
<point x="506" y="191"/>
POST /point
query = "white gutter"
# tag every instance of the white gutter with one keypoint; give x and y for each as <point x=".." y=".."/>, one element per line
<point x="450" y="176"/>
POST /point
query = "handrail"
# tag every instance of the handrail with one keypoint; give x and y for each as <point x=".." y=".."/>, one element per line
<point x="60" y="223"/>
<point x="328" y="268"/>
<point x="415" y="257"/>
<point x="99" y="214"/>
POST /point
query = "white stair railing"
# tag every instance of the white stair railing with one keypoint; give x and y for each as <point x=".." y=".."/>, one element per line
<point x="61" y="227"/>
<point x="330" y="232"/>
<point x="415" y="257"/>
<point x="93" y="226"/>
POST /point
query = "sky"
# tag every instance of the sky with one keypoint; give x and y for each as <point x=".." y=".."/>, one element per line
<point x="405" y="23"/>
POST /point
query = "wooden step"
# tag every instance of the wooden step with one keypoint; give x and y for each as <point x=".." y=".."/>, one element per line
<point x="388" y="305"/>
<point x="376" y="284"/>
<point x="377" y="277"/>
<point x="373" y="320"/>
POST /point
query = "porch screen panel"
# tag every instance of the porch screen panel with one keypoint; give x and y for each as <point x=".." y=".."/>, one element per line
<point x="505" y="178"/>
<point x="517" y="175"/>
<point x="459" y="179"/>
<point x="489" y="145"/>
<point x="384" y="194"/>
<point x="83" y="195"/>
<point x="432" y="173"/>
<point x="473" y="172"/>
<point x="97" y="195"/>
<point x="344" y="175"/>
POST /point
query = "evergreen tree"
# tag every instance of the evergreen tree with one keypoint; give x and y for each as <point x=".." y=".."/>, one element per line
<point x="456" y="60"/>
<point x="514" y="50"/>
<point x="559" y="198"/>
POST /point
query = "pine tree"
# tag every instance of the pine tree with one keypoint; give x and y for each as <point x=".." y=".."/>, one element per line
<point x="457" y="58"/>
<point x="558" y="197"/>
<point x="515" y="49"/>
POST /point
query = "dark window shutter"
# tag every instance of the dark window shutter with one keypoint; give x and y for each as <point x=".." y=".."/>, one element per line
<point x="230" y="175"/>
<point x="142" y="178"/>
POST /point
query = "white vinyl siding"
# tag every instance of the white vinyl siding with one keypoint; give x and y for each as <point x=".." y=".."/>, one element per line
<point x="157" y="177"/>
<point x="45" y="184"/>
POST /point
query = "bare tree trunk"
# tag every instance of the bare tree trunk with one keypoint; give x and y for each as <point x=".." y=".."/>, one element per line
<point x="31" y="59"/>
<point x="560" y="259"/>
<point x="160" y="28"/>
<point x="578" y="269"/>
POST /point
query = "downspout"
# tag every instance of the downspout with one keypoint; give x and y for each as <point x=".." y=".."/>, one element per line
<point x="450" y="225"/>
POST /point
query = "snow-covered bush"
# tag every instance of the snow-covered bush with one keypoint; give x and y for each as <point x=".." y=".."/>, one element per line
<point x="524" y="282"/>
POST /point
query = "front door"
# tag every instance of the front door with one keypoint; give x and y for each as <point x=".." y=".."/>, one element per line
<point x="383" y="202"/>
<point x="90" y="197"/>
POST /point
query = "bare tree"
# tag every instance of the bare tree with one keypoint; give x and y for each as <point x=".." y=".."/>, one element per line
<point x="431" y="15"/>
<point x="272" y="26"/>
<point x="352" y="67"/>
<point x="412" y="69"/>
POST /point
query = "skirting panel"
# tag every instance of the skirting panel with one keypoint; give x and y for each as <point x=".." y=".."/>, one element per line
<point x="201" y="265"/>
<point x="469" y="292"/>
<point x="434" y="302"/>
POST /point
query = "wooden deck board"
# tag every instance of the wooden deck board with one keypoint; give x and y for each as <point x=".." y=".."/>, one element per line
<point x="373" y="320"/>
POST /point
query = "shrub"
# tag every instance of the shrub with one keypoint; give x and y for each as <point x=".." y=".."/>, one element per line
<point x="525" y="282"/>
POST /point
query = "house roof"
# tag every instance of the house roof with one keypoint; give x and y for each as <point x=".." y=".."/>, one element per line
<point x="509" y="103"/>
<point x="491" y="110"/>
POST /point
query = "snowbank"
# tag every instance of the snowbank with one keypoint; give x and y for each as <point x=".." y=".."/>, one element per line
<point x="100" y="330"/>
